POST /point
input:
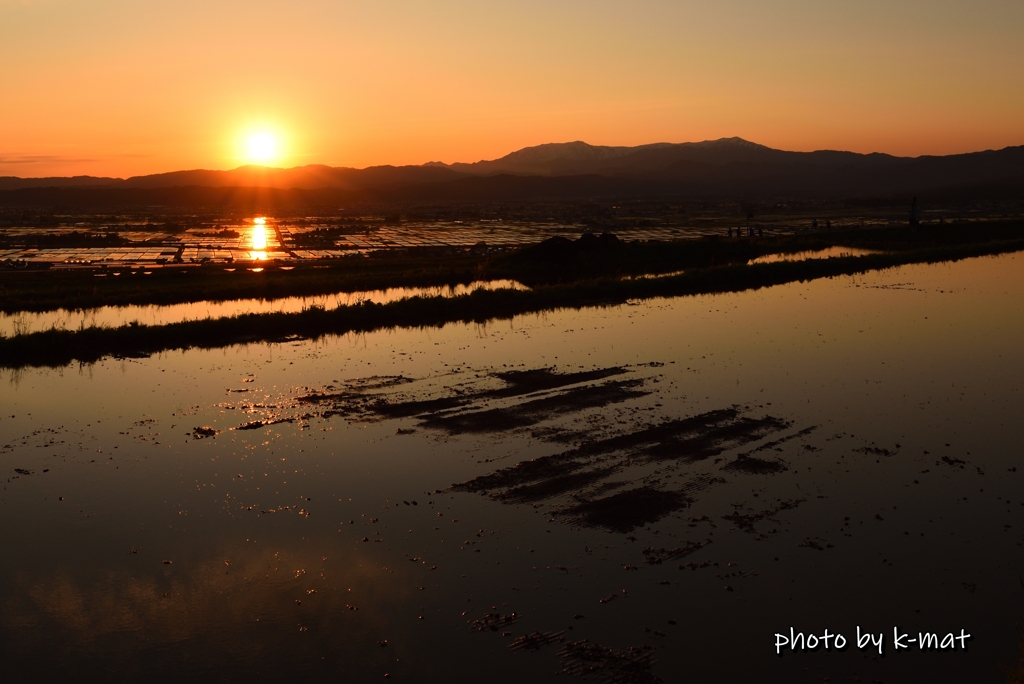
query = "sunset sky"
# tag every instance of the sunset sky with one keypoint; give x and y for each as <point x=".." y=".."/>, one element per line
<point x="119" y="87"/>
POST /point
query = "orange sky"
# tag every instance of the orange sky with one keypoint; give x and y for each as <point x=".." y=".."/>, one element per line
<point x="120" y="87"/>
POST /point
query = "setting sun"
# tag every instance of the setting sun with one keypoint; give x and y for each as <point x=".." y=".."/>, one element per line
<point x="261" y="147"/>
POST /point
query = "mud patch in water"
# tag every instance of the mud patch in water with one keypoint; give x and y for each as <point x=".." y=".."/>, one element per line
<point x="625" y="511"/>
<point x="581" y="475"/>
<point x="617" y="474"/>
<point x="362" y="399"/>
<point x="532" y="412"/>
<point x="554" y="486"/>
<point x="754" y="465"/>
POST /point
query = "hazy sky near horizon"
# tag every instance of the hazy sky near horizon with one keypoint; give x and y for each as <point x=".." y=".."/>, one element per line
<point x="120" y="87"/>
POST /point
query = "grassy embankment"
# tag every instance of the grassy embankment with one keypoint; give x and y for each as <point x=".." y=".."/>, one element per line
<point x="60" y="347"/>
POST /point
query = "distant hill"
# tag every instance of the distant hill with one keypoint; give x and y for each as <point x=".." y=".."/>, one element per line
<point x="564" y="159"/>
<point x="730" y="167"/>
<point x="15" y="183"/>
<point x="311" y="177"/>
<point x="301" y="177"/>
<point x="735" y="165"/>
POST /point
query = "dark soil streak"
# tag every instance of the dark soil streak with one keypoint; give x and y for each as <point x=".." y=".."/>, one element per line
<point x="625" y="511"/>
<point x="577" y="474"/>
<point x="534" y="380"/>
<point x="578" y="477"/>
<point x="657" y="434"/>
<point x="355" y="399"/>
<point x="532" y="412"/>
<point x="782" y="440"/>
<point x="555" y="486"/>
<point x="754" y="465"/>
<point x="716" y="440"/>
<point x="546" y="467"/>
<point x="407" y="409"/>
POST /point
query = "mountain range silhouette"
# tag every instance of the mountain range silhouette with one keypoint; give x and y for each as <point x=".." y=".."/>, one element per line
<point x="729" y="167"/>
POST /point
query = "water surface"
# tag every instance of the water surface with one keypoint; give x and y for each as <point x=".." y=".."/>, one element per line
<point x="827" y="253"/>
<point x="25" y="322"/>
<point x="707" y="471"/>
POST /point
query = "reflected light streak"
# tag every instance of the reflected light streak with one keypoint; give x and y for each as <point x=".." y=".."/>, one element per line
<point x="259" y="235"/>
<point x="259" y="239"/>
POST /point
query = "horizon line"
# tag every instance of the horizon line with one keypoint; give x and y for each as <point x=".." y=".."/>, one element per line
<point x="480" y="161"/>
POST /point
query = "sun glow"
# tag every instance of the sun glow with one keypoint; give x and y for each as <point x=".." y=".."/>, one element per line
<point x="262" y="147"/>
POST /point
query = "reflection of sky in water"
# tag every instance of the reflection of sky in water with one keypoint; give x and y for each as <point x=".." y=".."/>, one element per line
<point x="918" y="356"/>
<point x="827" y="253"/>
<point x="114" y="316"/>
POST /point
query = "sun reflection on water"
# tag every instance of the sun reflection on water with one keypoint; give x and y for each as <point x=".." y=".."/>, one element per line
<point x="259" y="238"/>
<point x="259" y="233"/>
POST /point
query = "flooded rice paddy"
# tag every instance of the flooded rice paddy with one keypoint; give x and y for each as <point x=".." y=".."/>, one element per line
<point x="262" y="239"/>
<point x="637" y="493"/>
<point x="25" y="322"/>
